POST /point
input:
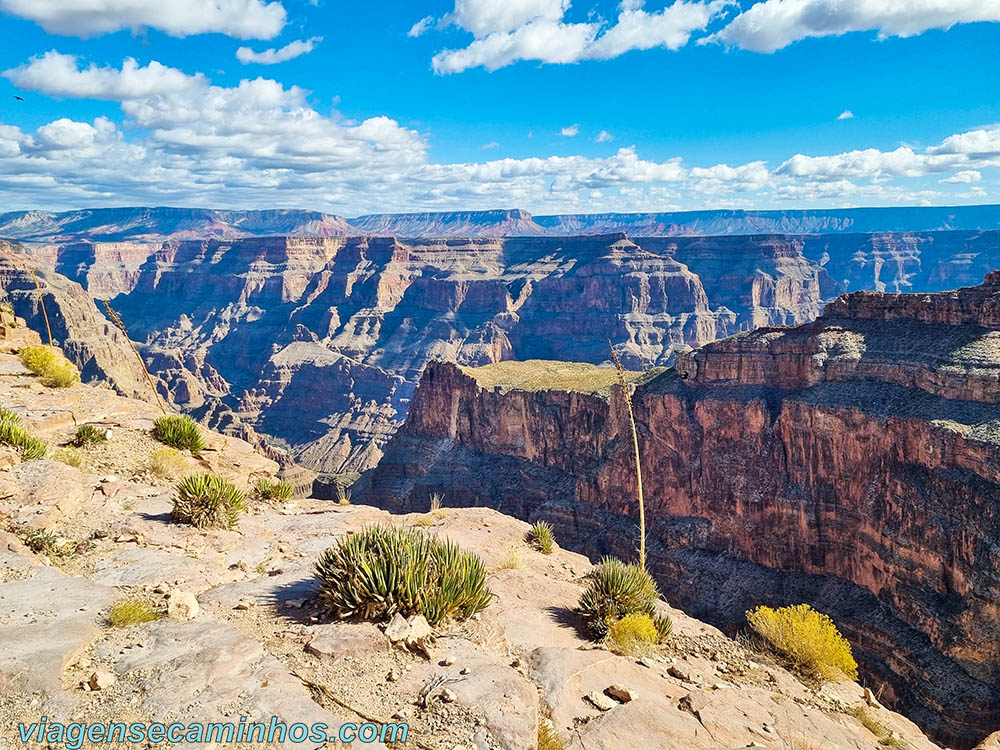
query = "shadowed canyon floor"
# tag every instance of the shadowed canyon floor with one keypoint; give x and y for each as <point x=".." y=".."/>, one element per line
<point x="853" y="463"/>
<point x="255" y="643"/>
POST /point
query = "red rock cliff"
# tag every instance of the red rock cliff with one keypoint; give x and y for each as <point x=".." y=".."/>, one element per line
<point x="853" y="463"/>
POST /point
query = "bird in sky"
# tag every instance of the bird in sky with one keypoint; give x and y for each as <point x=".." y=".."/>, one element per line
<point x="18" y="98"/>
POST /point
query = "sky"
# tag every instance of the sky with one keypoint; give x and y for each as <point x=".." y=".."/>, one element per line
<point x="547" y="105"/>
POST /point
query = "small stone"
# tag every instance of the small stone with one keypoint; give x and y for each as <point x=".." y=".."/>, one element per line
<point x="465" y="670"/>
<point x="448" y="661"/>
<point x="295" y="603"/>
<point x="647" y="662"/>
<point x="109" y="479"/>
<point x="393" y="676"/>
<point x="679" y="673"/>
<point x="600" y="701"/>
<point x="448" y="696"/>
<point x="161" y="588"/>
<point x="244" y="604"/>
<point x="620" y="693"/>
<point x="100" y="680"/>
<point x="183" y="606"/>
<point x="397" y="629"/>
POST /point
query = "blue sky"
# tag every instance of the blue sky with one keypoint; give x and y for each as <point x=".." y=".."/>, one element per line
<point x="539" y="104"/>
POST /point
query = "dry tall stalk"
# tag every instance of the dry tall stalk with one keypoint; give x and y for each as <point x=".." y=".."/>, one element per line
<point x="627" y="395"/>
<point x="41" y="301"/>
<point x="121" y="326"/>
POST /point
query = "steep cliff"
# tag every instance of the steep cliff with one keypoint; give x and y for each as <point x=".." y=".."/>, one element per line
<point x="852" y="463"/>
<point x="94" y="344"/>
<point x="256" y="327"/>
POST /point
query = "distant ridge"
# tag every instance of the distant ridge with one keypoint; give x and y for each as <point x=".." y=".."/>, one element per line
<point x="141" y="223"/>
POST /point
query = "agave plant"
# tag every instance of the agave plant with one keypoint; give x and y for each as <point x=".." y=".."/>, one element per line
<point x="541" y="535"/>
<point x="208" y="501"/>
<point x="88" y="435"/>
<point x="384" y="570"/>
<point x="277" y="489"/>
<point x="179" y="432"/>
<point x="12" y="433"/>
<point x="616" y="590"/>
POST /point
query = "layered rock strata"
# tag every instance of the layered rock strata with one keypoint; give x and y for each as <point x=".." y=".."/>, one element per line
<point x="852" y="463"/>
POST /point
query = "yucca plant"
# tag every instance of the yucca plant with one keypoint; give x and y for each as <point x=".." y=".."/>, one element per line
<point x="540" y="534"/>
<point x="277" y="489"/>
<point x="12" y="433"/>
<point x="88" y="435"/>
<point x="179" y="432"/>
<point x="6" y="415"/>
<point x="615" y="591"/>
<point x="383" y="570"/>
<point x="208" y="501"/>
<point x="42" y="541"/>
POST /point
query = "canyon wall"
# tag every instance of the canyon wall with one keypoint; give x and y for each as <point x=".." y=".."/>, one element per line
<point x="241" y="331"/>
<point x="251" y="330"/>
<point x="852" y="463"/>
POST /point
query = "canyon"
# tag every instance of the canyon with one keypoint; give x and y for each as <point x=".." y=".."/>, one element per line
<point x="852" y="463"/>
<point x="242" y="331"/>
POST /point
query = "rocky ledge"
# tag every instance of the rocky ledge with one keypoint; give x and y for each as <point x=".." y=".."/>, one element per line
<point x="852" y="463"/>
<point x="241" y="632"/>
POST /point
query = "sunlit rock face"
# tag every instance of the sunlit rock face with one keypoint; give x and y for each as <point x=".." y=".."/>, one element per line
<point x="852" y="463"/>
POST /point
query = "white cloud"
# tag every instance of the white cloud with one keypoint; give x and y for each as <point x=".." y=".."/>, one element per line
<point x="570" y="131"/>
<point x="846" y="115"/>
<point x="604" y="137"/>
<point x="272" y="56"/>
<point x="420" y="26"/>
<point x="59" y="75"/>
<point x="261" y="144"/>
<point x="964" y="176"/>
<point x="770" y="25"/>
<point x="243" y="19"/>
<point x="505" y="33"/>
<point x="489" y="146"/>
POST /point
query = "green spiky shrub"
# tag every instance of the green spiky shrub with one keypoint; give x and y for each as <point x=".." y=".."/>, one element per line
<point x="208" y="501"/>
<point x="88" y="435"/>
<point x="42" y="541"/>
<point x="540" y="534"/>
<point x="382" y="570"/>
<point x="617" y="590"/>
<point x="12" y="433"/>
<point x="179" y="432"/>
<point x="276" y="489"/>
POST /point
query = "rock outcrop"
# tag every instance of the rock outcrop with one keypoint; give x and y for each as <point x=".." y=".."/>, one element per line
<point x="234" y="625"/>
<point x="852" y="463"/>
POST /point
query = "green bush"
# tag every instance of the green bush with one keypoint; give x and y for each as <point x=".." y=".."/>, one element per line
<point x="179" y="432"/>
<point x="38" y="359"/>
<point x="208" y="501"/>
<point x="277" y="489"/>
<point x="88" y="435"/>
<point x="382" y="570"/>
<point x="14" y="435"/>
<point x="42" y="541"/>
<point x="617" y="590"/>
<point x="541" y="536"/>
<point x="808" y="639"/>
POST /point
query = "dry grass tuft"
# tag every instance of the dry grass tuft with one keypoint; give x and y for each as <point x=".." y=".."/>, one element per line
<point x="131" y="612"/>
<point x="512" y="560"/>
<point x="167" y="463"/>
<point x="548" y="738"/>
<point x="870" y="722"/>
<point x="632" y="635"/>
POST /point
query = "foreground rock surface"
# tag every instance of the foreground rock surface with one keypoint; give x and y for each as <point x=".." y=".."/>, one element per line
<point x="262" y="647"/>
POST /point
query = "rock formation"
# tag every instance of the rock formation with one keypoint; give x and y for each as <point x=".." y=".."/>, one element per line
<point x="234" y="626"/>
<point x="852" y="463"/>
